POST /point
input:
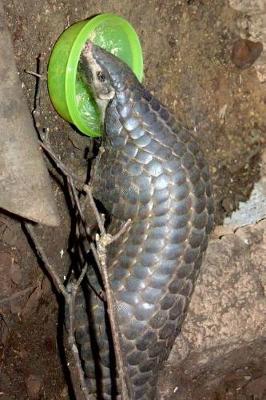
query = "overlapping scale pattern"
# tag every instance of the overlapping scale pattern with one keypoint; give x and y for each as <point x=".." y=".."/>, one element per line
<point x="153" y="172"/>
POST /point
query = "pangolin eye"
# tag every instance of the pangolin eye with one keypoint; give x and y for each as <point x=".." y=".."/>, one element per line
<point x="100" y="76"/>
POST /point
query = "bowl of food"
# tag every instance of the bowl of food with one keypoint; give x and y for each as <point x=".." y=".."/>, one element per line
<point x="70" y="97"/>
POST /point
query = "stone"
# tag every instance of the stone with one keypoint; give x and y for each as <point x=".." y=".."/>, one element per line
<point x="245" y="53"/>
<point x="225" y="328"/>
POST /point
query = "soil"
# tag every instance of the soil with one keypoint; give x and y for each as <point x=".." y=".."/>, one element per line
<point x="187" y="47"/>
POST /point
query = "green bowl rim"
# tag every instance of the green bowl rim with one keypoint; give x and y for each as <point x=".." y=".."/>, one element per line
<point x="73" y="59"/>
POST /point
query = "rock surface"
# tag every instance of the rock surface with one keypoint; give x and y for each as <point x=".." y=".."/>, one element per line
<point x="245" y="53"/>
<point x="226" y="326"/>
<point x="252" y="25"/>
<point x="254" y="209"/>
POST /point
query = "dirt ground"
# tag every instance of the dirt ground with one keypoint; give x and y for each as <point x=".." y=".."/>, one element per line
<point x="187" y="47"/>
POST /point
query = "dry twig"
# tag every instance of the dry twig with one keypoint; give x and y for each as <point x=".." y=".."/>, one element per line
<point x="35" y="74"/>
<point x="95" y="210"/>
<point x="60" y="165"/>
<point x="37" y="105"/>
<point x="99" y="253"/>
<point x="69" y="294"/>
<point x="102" y="241"/>
<point x="72" y="289"/>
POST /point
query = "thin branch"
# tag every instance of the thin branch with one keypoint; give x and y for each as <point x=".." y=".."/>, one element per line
<point x="36" y="112"/>
<point x="122" y="230"/>
<point x="35" y="74"/>
<point x="61" y="166"/>
<point x="49" y="268"/>
<point x="98" y="216"/>
<point x="69" y="294"/>
<point x="80" y="279"/>
<point x="100" y="255"/>
<point x="102" y="242"/>
<point x="78" y="205"/>
<point x="72" y="290"/>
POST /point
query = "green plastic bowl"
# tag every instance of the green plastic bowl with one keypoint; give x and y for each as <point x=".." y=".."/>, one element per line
<point x="70" y="97"/>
